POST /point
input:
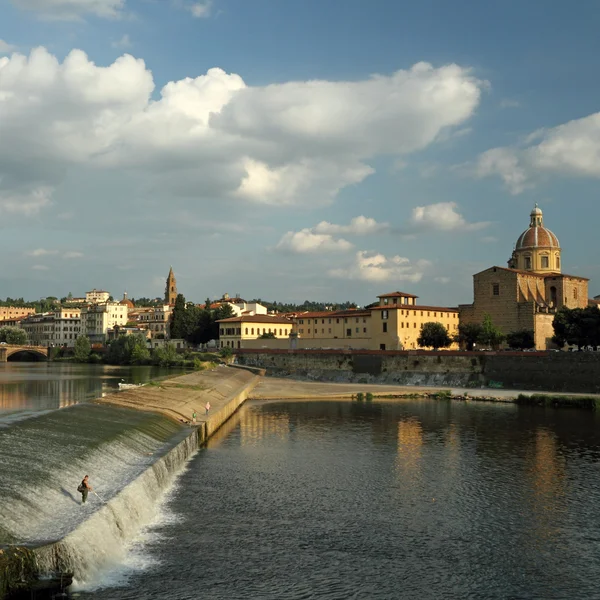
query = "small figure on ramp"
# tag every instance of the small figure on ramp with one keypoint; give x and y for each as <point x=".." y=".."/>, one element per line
<point x="84" y="488"/>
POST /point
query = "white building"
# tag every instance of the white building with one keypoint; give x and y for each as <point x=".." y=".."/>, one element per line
<point x="97" y="296"/>
<point x="58" y="328"/>
<point x="240" y="306"/>
<point x="97" y="319"/>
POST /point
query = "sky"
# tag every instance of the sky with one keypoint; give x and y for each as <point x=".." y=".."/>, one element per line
<point x="325" y="150"/>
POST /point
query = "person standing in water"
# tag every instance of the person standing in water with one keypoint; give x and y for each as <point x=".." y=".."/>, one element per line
<point x="207" y="407"/>
<point x="84" y="488"/>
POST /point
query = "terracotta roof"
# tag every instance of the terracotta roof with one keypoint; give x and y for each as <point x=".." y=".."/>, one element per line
<point x="397" y="295"/>
<point x="255" y="319"/>
<point x="324" y="314"/>
<point x="537" y="237"/>
<point x="415" y="307"/>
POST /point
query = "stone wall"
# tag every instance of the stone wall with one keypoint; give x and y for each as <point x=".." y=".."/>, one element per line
<point x="577" y="372"/>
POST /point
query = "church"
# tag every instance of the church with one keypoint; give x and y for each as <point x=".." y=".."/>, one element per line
<point x="527" y="293"/>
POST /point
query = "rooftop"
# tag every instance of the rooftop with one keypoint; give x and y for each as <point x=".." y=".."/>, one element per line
<point x="255" y="319"/>
<point x="397" y="295"/>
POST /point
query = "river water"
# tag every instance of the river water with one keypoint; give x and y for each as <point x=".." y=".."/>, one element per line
<point x="411" y="499"/>
<point x="30" y="389"/>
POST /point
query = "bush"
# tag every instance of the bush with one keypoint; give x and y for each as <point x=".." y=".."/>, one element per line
<point x="555" y="401"/>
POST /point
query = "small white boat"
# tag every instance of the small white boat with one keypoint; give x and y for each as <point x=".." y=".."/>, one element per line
<point x="129" y="386"/>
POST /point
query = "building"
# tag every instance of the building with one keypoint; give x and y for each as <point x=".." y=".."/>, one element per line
<point x="527" y="294"/>
<point x="245" y="331"/>
<point x="97" y="296"/>
<point x="58" y="328"/>
<point x="14" y="312"/>
<point x="393" y="323"/>
<point x="171" y="288"/>
<point x="97" y="319"/>
<point x="157" y="320"/>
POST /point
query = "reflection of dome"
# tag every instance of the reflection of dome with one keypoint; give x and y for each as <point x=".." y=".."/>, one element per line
<point x="537" y="236"/>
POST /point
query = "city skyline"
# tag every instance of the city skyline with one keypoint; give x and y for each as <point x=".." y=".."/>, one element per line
<point x="291" y="152"/>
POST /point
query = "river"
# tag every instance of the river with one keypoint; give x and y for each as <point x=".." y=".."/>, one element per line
<point x="408" y="499"/>
<point x="30" y="389"/>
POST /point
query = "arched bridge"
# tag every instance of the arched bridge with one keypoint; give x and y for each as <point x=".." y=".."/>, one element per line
<point x="6" y="351"/>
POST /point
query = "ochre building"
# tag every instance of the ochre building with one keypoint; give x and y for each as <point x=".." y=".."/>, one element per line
<point x="527" y="294"/>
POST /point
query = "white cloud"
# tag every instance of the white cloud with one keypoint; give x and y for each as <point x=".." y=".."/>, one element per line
<point x="72" y="10"/>
<point x="124" y="42"/>
<point x="201" y="10"/>
<point x="358" y="226"/>
<point x="39" y="268"/>
<point x="6" y="48"/>
<point x="570" y="149"/>
<point x="23" y="202"/>
<point x="42" y="252"/>
<point x="306" y="242"/>
<point x="378" y="268"/>
<point x="296" y="143"/>
<point x="442" y="217"/>
<point x="73" y="254"/>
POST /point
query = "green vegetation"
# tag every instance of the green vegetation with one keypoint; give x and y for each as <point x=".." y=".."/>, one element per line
<point x="490" y="334"/>
<point x="577" y="327"/>
<point x="442" y="395"/>
<point x="485" y="334"/>
<point x="44" y="305"/>
<point x="434" y="335"/>
<point x="83" y="348"/>
<point x="307" y="305"/>
<point x="13" y="335"/>
<point x="267" y="335"/>
<point x="521" y="340"/>
<point x="468" y="335"/>
<point x="555" y="401"/>
<point x="197" y="325"/>
<point x="128" y="350"/>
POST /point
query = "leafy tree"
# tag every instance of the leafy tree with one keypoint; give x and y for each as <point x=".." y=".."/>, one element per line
<point x="577" y="326"/>
<point x="13" y="335"/>
<point x="166" y="356"/>
<point x="434" y="335"/>
<point x="128" y="350"/>
<point x="521" y="340"/>
<point x="267" y="335"/>
<point x="490" y="334"/>
<point x="83" y="347"/>
<point x="468" y="334"/>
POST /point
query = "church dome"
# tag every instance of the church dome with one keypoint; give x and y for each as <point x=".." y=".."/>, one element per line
<point x="537" y="236"/>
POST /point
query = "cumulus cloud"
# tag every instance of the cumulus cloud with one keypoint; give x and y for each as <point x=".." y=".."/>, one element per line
<point x="358" y="226"/>
<point x="572" y="148"/>
<point x="375" y="267"/>
<point x="212" y="136"/>
<point x="6" y="48"/>
<point x="442" y="217"/>
<point x="201" y="10"/>
<point x="26" y="202"/>
<point x="42" y="252"/>
<point x="72" y="10"/>
<point x="306" y="242"/>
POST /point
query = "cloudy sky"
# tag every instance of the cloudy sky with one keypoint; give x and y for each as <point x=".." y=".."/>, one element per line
<point x="325" y="150"/>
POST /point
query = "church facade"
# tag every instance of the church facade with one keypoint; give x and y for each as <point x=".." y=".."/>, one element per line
<point x="527" y="293"/>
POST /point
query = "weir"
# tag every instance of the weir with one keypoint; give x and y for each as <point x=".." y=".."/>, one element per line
<point x="132" y="457"/>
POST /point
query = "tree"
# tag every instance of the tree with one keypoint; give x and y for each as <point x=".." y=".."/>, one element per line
<point x="267" y="335"/>
<point x="490" y="334"/>
<point x="178" y="318"/>
<point x="521" y="340"/>
<point x="83" y="347"/>
<point x="434" y="335"/>
<point x="468" y="335"/>
<point x="578" y="326"/>
<point x="166" y="356"/>
<point x="128" y="350"/>
<point x="13" y="335"/>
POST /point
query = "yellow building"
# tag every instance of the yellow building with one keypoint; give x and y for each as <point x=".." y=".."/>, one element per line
<point x="14" y="312"/>
<point x="245" y="331"/>
<point x="527" y="294"/>
<point x="334" y="329"/>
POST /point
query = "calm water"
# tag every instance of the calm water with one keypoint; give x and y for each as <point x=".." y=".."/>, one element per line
<point x="415" y="499"/>
<point x="27" y="389"/>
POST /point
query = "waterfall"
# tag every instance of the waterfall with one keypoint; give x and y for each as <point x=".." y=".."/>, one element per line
<point x="101" y="541"/>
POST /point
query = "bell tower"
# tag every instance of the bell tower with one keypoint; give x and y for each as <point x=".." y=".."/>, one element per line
<point x="171" y="288"/>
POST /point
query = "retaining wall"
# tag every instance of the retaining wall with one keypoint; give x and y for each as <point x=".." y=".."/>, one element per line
<point x="549" y="371"/>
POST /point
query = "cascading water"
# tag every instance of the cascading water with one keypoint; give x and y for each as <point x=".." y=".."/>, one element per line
<point x="131" y="457"/>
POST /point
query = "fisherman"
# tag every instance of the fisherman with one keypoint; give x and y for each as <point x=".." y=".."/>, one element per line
<point x="207" y="407"/>
<point x="84" y="488"/>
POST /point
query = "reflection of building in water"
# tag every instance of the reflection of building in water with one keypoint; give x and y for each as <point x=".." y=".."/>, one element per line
<point x="547" y="471"/>
<point x="410" y="442"/>
<point x="452" y="444"/>
<point x="257" y="424"/>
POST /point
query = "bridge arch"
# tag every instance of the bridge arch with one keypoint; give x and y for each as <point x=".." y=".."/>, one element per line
<point x="26" y="354"/>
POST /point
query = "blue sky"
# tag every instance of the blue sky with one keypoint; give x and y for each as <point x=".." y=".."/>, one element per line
<point x="292" y="150"/>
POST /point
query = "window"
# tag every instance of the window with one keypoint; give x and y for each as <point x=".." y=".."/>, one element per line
<point x="345" y="320"/>
<point x="348" y="332"/>
<point x="421" y="313"/>
<point x="301" y="330"/>
<point x="415" y="325"/>
<point x="365" y="329"/>
<point x="435" y="314"/>
<point x="252" y="331"/>
<point x="575" y="293"/>
<point x="384" y="327"/>
<point x="337" y="320"/>
<point x="329" y="328"/>
<point x="395" y="300"/>
<point x="382" y="346"/>
<point x="401" y="324"/>
<point x="495" y="289"/>
<point x="357" y="330"/>
<point x="309" y="330"/>
<point x="528" y="263"/>
<point x="385" y="301"/>
<point x="301" y="321"/>
<point x="280" y="333"/>
<point x="558" y="262"/>
<point x="544" y="262"/>
<point x="384" y="314"/>
<point x="427" y="313"/>
<point x="329" y="320"/>
<point x="246" y="331"/>
<point x="357" y="319"/>
<point x="322" y="331"/>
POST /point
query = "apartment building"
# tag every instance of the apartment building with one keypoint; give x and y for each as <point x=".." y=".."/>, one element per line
<point x="14" y="312"/>
<point x="245" y="331"/>
<point x="58" y="328"/>
<point x="97" y="296"/>
<point x="156" y="319"/>
<point x="97" y="319"/>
